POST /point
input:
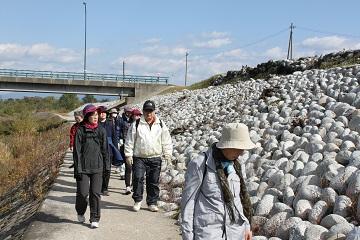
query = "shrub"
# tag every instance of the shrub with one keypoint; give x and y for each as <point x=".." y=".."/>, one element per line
<point x="24" y="155"/>
<point x="69" y="101"/>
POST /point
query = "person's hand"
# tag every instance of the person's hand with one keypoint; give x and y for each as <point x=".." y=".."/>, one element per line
<point x="168" y="159"/>
<point x="248" y="235"/>
<point x="129" y="161"/>
<point x="78" y="176"/>
<point x="121" y="142"/>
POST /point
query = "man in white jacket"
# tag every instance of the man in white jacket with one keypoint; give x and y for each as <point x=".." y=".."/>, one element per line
<point x="148" y="140"/>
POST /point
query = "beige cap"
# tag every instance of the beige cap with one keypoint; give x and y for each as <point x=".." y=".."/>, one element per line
<point x="235" y="135"/>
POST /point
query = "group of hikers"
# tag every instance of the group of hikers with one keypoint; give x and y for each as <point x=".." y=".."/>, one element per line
<point x="215" y="203"/>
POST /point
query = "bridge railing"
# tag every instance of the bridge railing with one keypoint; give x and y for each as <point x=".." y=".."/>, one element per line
<point x="82" y="76"/>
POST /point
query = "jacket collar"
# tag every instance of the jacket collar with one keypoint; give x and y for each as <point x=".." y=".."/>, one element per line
<point x="157" y="120"/>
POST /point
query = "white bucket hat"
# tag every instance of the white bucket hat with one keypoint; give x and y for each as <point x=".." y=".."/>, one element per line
<point x="235" y="135"/>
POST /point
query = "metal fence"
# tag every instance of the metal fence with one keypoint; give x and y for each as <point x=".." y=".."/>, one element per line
<point x="82" y="76"/>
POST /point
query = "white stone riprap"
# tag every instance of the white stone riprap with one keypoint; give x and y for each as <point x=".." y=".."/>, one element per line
<point x="306" y="167"/>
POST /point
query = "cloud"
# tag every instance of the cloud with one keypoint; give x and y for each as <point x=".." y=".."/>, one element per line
<point x="148" y="64"/>
<point x="12" y="51"/>
<point x="234" y="53"/>
<point x="152" y="41"/>
<point x="41" y="56"/>
<point x="212" y="43"/>
<point x="215" y="34"/>
<point x="330" y="42"/>
<point x="42" y="52"/>
<point x="93" y="51"/>
<point x="165" y="50"/>
<point x="275" y="53"/>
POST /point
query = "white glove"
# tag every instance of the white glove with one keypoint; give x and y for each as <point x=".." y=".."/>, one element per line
<point x="129" y="160"/>
<point x="121" y="142"/>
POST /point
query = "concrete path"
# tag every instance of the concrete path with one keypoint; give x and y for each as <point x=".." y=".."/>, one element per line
<point x="57" y="219"/>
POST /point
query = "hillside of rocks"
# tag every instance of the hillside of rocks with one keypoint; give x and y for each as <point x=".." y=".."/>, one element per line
<point x="304" y="175"/>
<point x="284" y="67"/>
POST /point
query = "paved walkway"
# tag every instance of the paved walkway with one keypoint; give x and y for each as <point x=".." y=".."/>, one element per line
<point x="57" y="219"/>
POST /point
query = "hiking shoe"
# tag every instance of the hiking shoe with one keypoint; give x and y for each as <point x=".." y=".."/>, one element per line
<point x="94" y="224"/>
<point x="71" y="166"/>
<point x="81" y="218"/>
<point x="137" y="206"/>
<point x="105" y="193"/>
<point x="128" y="190"/>
<point x="153" y="208"/>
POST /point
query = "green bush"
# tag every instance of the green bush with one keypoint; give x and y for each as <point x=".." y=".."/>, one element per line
<point x="89" y="99"/>
<point x="69" y="101"/>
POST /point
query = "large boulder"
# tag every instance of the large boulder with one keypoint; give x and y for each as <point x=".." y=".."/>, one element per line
<point x="315" y="232"/>
<point x="265" y="205"/>
<point x="283" y="231"/>
<point x="273" y="224"/>
<point x="303" y="208"/>
<point x="331" y="220"/>
<point x="343" y="206"/>
<point x="318" y="211"/>
<point x="342" y="228"/>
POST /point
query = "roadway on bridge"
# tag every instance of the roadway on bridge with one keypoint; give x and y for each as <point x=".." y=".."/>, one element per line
<point x="57" y="219"/>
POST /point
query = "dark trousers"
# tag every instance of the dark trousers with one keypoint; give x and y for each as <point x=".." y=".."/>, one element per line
<point x="105" y="181"/>
<point x="128" y="168"/>
<point x="128" y="171"/>
<point x="152" y="168"/>
<point x="92" y="183"/>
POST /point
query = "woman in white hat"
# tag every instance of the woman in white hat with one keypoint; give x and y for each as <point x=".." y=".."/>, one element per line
<point x="215" y="203"/>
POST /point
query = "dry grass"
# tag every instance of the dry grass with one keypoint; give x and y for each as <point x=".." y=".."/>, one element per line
<point x="26" y="153"/>
<point x="172" y="90"/>
<point x="199" y="85"/>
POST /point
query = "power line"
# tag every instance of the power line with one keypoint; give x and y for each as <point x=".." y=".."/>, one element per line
<point x="250" y="43"/>
<point x="326" y="32"/>
<point x="264" y="38"/>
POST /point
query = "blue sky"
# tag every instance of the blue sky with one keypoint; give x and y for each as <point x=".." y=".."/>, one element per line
<point x="153" y="36"/>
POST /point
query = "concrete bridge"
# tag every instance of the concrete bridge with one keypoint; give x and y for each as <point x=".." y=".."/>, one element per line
<point x="133" y="87"/>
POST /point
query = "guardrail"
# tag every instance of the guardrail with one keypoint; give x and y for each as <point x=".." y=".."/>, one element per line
<point x="82" y="76"/>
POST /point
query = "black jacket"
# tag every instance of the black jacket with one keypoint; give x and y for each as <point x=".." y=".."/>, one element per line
<point x="124" y="125"/>
<point x="90" y="151"/>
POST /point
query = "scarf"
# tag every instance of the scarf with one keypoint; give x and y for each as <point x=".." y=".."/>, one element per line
<point x="90" y="125"/>
<point x="225" y="188"/>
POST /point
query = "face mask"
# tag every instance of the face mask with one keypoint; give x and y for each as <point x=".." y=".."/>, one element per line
<point x="114" y="115"/>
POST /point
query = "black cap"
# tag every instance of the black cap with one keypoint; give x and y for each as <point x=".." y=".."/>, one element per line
<point x="149" y="105"/>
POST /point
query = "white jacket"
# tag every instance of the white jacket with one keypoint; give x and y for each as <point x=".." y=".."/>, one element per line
<point x="148" y="143"/>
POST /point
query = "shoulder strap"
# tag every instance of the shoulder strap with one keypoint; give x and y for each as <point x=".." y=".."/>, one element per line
<point x="137" y="123"/>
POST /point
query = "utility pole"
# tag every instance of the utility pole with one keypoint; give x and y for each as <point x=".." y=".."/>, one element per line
<point x="85" y="45"/>
<point x="123" y="70"/>
<point x="186" y="66"/>
<point x="290" y="46"/>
